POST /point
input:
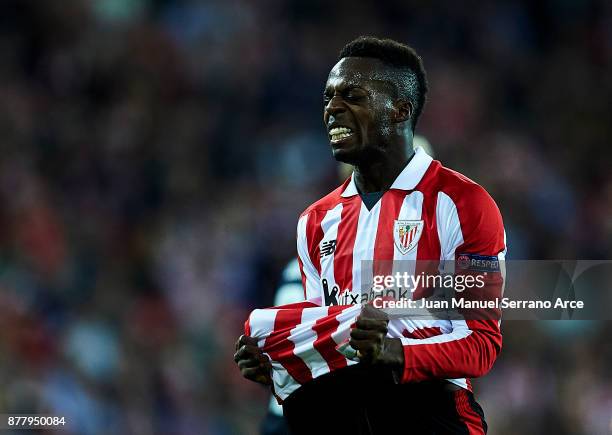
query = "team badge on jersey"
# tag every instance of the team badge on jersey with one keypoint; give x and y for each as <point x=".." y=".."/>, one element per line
<point x="407" y="234"/>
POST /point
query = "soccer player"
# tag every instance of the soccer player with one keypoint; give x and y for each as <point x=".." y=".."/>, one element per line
<point x="397" y="205"/>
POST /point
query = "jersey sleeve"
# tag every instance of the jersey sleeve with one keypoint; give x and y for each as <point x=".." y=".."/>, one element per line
<point x="310" y="275"/>
<point x="470" y="228"/>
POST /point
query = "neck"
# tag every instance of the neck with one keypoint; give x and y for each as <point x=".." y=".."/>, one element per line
<point x="378" y="175"/>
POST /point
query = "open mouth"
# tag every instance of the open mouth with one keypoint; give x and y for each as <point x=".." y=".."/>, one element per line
<point x="338" y="134"/>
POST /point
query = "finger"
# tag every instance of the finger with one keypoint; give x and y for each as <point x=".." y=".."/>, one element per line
<point x="370" y="312"/>
<point x="240" y="342"/>
<point x="250" y="349"/>
<point x="266" y="366"/>
<point x="367" y="334"/>
<point x="245" y="339"/>
<point x="252" y="372"/>
<point x="366" y="350"/>
<point x="372" y="324"/>
<point x="247" y="351"/>
<point x="249" y="363"/>
<point x="365" y="346"/>
<point x="251" y="360"/>
<point x="264" y="379"/>
<point x="257" y="374"/>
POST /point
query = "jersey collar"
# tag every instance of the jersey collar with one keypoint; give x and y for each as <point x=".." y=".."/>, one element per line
<point x="406" y="180"/>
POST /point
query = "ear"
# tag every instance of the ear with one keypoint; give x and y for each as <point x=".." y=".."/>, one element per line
<point x="403" y="110"/>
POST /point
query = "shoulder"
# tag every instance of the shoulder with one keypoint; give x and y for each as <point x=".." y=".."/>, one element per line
<point x="470" y="198"/>
<point x="464" y="207"/>
<point x="328" y="202"/>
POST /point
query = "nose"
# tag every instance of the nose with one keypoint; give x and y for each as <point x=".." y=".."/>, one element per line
<point x="334" y="106"/>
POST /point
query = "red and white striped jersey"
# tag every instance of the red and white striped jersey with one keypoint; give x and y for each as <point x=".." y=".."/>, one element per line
<point x="301" y="341"/>
<point x="304" y="340"/>
<point x="429" y="213"/>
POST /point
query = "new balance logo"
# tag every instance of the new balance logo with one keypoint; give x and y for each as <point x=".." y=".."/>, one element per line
<point x="328" y="248"/>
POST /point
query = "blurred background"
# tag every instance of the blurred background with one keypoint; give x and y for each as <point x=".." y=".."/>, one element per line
<point x="156" y="155"/>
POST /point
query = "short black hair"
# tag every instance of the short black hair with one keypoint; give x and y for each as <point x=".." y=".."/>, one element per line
<point x="413" y="84"/>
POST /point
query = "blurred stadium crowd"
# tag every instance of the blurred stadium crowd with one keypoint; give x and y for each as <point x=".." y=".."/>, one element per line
<point x="156" y="155"/>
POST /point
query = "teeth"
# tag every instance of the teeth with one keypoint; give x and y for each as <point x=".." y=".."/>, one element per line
<point x="338" y="133"/>
<point x="340" y="130"/>
<point x="340" y="136"/>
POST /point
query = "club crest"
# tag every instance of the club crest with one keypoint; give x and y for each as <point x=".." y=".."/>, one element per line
<point x="407" y="234"/>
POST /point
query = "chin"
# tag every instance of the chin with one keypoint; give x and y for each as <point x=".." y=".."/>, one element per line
<point x="344" y="156"/>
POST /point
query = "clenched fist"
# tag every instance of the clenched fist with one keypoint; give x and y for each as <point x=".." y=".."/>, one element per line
<point x="253" y="364"/>
<point x="369" y="339"/>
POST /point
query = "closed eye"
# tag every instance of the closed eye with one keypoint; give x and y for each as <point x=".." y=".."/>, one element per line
<point x="351" y="95"/>
<point x="354" y="97"/>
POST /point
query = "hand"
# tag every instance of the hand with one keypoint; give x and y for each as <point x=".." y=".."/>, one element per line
<point x="253" y="364"/>
<point x="369" y="339"/>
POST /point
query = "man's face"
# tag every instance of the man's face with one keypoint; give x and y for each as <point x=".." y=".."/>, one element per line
<point x="359" y="103"/>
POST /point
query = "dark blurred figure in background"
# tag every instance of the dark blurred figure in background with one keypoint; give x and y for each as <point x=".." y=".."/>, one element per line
<point x="136" y="233"/>
<point x="290" y="290"/>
